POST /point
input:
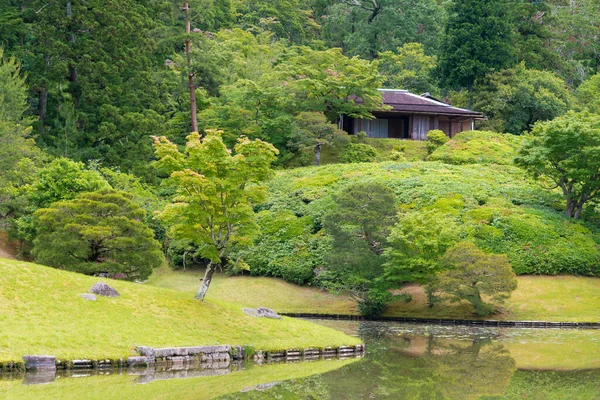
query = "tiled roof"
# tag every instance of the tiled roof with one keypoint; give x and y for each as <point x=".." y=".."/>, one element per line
<point x="403" y="101"/>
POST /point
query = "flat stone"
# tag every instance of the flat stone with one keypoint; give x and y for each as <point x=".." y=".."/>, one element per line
<point x="251" y="312"/>
<point x="267" y="313"/>
<point x="261" y="312"/>
<point x="40" y="362"/>
<point x="103" y="289"/>
<point x="88" y="296"/>
<point x="137" y="361"/>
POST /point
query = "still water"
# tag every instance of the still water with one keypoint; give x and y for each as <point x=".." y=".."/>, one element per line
<point x="402" y="362"/>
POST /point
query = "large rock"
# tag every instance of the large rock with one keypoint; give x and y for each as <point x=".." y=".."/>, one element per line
<point x="40" y="363"/>
<point x="267" y="313"/>
<point x="261" y="312"/>
<point x="102" y="289"/>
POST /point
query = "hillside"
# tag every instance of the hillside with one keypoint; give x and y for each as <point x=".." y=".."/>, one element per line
<point x="41" y="313"/>
<point x="495" y="206"/>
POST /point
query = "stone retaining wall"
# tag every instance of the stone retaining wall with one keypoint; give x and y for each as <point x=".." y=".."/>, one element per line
<point x="222" y="358"/>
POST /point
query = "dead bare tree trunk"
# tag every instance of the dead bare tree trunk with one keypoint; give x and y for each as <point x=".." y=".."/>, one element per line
<point x="191" y="85"/>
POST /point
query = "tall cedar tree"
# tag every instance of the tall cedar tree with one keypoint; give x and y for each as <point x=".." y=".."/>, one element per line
<point x="478" y="38"/>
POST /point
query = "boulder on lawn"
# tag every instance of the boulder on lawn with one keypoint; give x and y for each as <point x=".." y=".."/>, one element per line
<point x="102" y="289"/>
<point x="261" y="312"/>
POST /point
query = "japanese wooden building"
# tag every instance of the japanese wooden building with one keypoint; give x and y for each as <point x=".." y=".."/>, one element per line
<point x="410" y="116"/>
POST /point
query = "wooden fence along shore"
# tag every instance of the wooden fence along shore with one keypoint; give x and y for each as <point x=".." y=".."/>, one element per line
<point x="457" y="322"/>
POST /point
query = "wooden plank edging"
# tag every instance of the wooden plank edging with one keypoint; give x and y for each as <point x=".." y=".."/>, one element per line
<point x="457" y="322"/>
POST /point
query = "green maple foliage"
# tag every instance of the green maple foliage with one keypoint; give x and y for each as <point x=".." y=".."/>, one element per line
<point x="215" y="193"/>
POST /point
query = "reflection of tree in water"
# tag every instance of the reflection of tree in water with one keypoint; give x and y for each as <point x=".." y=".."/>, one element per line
<point x="408" y="367"/>
<point x="470" y="371"/>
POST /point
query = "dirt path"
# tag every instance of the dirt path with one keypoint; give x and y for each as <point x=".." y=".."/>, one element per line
<point x="6" y="249"/>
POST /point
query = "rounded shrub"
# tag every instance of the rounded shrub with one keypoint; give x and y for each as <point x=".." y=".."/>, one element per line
<point x="358" y="153"/>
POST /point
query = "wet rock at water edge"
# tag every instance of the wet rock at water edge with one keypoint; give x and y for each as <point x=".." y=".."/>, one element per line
<point x="102" y="289"/>
<point x="40" y="363"/>
<point x="88" y="296"/>
<point x="261" y="312"/>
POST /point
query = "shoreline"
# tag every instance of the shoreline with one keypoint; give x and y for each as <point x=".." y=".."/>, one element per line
<point x="450" y="321"/>
<point x="221" y="357"/>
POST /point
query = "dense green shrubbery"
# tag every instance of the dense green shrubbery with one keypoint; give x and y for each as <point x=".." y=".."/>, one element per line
<point x="435" y="139"/>
<point x="495" y="206"/>
<point x="286" y="248"/>
<point x="478" y="147"/>
<point x="357" y="153"/>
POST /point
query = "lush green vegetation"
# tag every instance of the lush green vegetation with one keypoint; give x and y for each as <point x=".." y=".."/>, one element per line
<point x="41" y="313"/>
<point x="494" y="206"/>
<point x="274" y="78"/>
<point x="478" y="147"/>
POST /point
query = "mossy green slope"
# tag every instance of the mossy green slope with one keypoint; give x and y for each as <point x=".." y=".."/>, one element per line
<point x="41" y="312"/>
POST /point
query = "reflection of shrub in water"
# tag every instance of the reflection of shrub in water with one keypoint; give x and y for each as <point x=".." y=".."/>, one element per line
<point x="470" y="371"/>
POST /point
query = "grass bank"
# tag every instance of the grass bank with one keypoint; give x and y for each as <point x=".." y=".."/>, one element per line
<point x="41" y="312"/>
<point x="542" y="298"/>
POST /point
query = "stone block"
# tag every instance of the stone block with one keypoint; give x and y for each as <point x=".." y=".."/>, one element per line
<point x="40" y="363"/>
<point x="140" y="361"/>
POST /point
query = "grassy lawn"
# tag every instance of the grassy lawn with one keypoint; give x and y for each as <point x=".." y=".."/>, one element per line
<point x="256" y="292"/>
<point x="543" y="298"/>
<point x="41" y="313"/>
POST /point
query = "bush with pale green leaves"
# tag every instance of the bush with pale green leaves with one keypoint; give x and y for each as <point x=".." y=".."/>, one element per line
<point x="478" y="147"/>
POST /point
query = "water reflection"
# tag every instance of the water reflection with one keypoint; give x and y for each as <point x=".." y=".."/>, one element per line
<point x="402" y="362"/>
<point x="437" y="362"/>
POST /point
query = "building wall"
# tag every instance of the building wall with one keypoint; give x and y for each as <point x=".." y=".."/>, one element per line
<point x="418" y="126"/>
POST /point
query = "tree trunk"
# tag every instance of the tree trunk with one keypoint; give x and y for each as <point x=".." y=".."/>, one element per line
<point x="42" y="108"/>
<point x="571" y="208"/>
<point x="318" y="154"/>
<point x="210" y="270"/>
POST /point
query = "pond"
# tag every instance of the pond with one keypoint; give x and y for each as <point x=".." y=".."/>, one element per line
<point x="403" y="361"/>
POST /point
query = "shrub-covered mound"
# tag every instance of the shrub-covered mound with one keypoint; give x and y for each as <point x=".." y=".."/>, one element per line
<point x="478" y="147"/>
<point x="495" y="206"/>
<point x="382" y="149"/>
